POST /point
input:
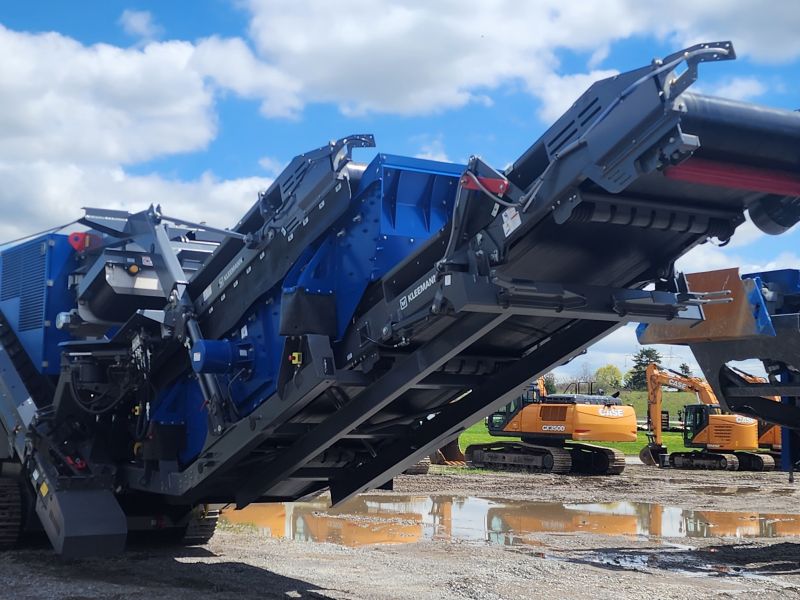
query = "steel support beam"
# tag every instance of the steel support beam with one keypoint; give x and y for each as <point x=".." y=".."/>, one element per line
<point x="495" y="391"/>
<point x="407" y="373"/>
<point x="761" y="390"/>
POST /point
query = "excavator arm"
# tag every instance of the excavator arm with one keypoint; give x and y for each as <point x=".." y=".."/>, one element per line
<point x="654" y="401"/>
<point x="656" y="378"/>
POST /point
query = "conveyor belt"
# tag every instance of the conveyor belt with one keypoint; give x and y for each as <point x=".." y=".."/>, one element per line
<point x="617" y="235"/>
<point x="361" y="316"/>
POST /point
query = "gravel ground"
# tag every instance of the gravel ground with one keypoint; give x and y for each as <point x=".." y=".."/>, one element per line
<point x="701" y="490"/>
<point x="242" y="563"/>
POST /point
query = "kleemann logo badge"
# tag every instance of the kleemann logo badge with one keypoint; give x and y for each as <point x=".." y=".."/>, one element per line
<point x="230" y="272"/>
<point x="414" y="294"/>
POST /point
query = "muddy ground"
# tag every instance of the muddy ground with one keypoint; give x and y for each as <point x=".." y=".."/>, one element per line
<point x="702" y="490"/>
<point x="243" y="562"/>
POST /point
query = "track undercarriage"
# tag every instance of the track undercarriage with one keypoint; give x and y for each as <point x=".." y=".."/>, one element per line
<point x="572" y="457"/>
<point x="707" y="459"/>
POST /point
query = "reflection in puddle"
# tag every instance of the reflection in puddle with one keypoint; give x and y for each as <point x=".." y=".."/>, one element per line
<point x="721" y="490"/>
<point x="379" y="519"/>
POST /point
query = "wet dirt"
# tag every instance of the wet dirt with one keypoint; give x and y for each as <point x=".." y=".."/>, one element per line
<point x="699" y="490"/>
<point x="462" y="534"/>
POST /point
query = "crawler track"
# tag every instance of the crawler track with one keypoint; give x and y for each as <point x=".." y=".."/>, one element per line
<point x="523" y="456"/>
<point x="10" y="512"/>
<point x="755" y="461"/>
<point x="596" y="460"/>
<point x="716" y="461"/>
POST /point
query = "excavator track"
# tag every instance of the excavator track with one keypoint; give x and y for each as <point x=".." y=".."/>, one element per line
<point x="10" y="512"/>
<point x="713" y="461"/>
<point x="596" y="460"/>
<point x="755" y="461"/>
<point x="519" y="456"/>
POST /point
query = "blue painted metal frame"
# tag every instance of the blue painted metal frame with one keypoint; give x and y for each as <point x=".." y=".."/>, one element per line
<point x="400" y="203"/>
<point x="45" y="265"/>
<point x="787" y="281"/>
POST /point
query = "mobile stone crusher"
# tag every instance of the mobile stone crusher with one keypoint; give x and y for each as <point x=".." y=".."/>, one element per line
<point x="358" y="316"/>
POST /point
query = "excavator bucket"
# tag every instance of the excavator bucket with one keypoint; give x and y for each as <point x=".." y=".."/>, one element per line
<point x="449" y="454"/>
<point x="649" y="455"/>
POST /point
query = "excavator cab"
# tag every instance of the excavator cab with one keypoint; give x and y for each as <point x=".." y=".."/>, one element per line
<point x="696" y="420"/>
<point x="498" y="420"/>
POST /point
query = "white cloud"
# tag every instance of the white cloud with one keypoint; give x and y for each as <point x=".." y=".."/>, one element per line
<point x="558" y="92"/>
<point x="784" y="260"/>
<point x="741" y="88"/>
<point x="432" y="148"/>
<point x="420" y="57"/>
<point x="231" y="65"/>
<point x="708" y="257"/>
<point x="618" y="349"/>
<point x="74" y="116"/>
<point x="66" y="101"/>
<point x="60" y="190"/>
<point x="139" y="23"/>
<point x="746" y="234"/>
<point x="272" y="166"/>
<point x="761" y="31"/>
<point x="598" y="56"/>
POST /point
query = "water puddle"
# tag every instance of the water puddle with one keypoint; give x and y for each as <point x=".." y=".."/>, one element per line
<point x="732" y="490"/>
<point x="381" y="519"/>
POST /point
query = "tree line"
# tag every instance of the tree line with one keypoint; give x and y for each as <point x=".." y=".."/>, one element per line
<point x="610" y="378"/>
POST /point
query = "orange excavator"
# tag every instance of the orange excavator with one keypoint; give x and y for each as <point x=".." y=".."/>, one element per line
<point x="769" y="435"/>
<point x="553" y="431"/>
<point x="724" y="441"/>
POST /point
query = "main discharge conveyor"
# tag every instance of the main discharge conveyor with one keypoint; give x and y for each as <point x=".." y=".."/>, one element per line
<point x="358" y="316"/>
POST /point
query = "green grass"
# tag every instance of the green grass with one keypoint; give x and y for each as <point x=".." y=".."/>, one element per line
<point x="672" y="401"/>
<point x="478" y="434"/>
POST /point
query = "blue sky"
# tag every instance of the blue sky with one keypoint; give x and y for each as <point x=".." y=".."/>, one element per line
<point x="197" y="105"/>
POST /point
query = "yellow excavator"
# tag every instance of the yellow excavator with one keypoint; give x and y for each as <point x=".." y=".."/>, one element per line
<point x="553" y="431"/>
<point x="724" y="441"/>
